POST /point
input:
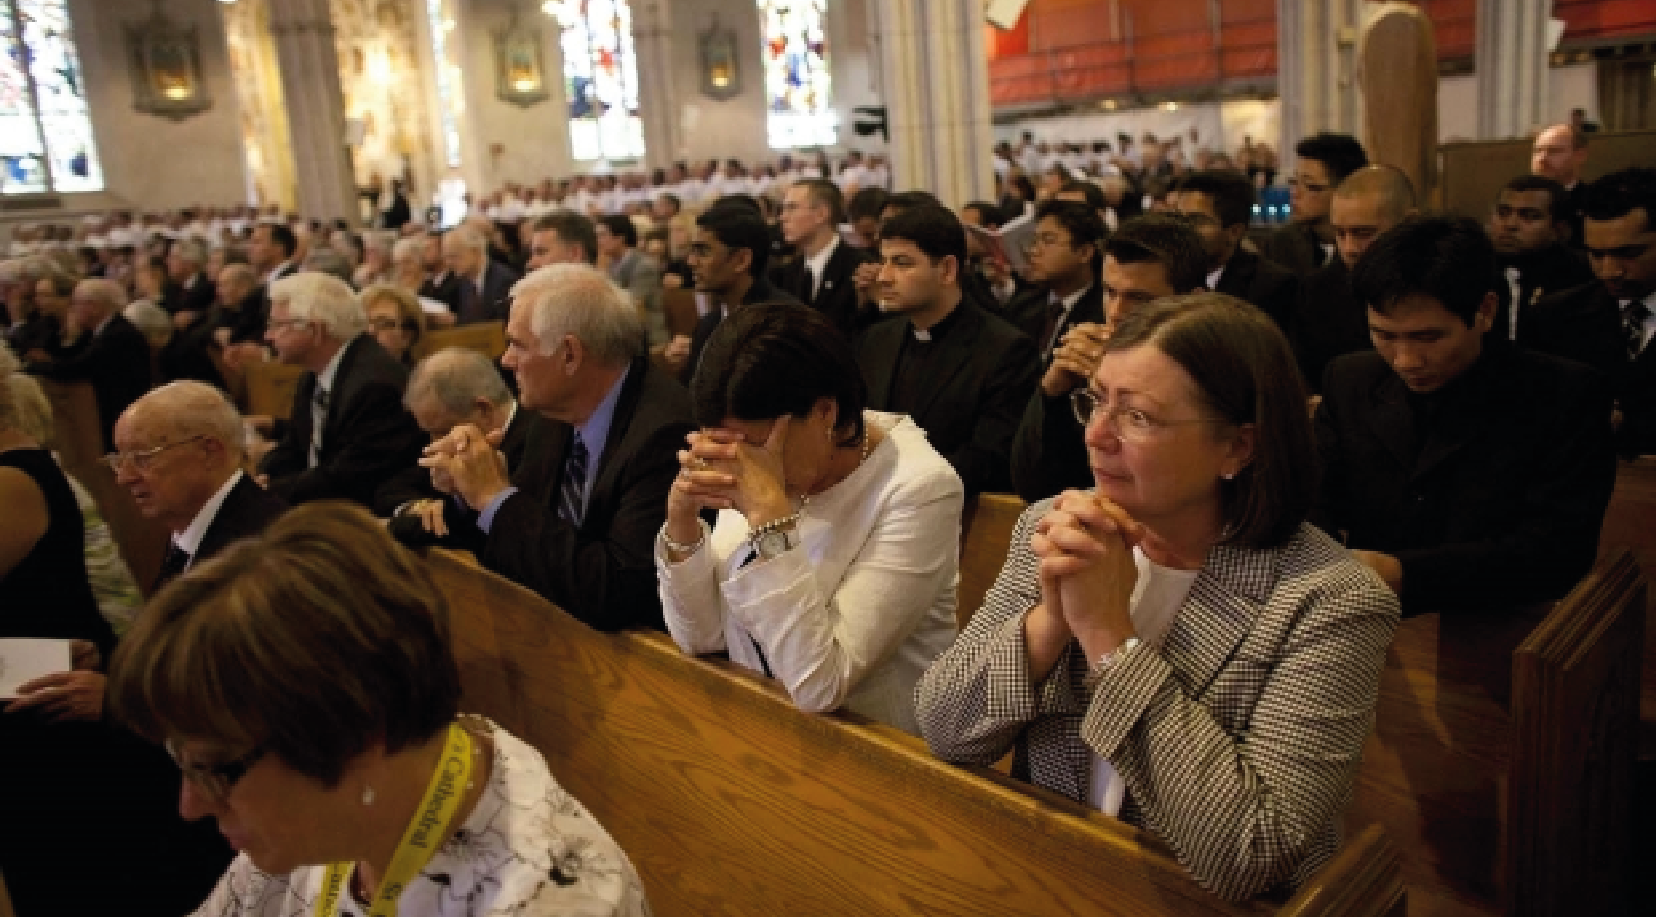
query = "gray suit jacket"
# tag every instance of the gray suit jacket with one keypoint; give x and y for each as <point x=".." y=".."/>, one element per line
<point x="1238" y="738"/>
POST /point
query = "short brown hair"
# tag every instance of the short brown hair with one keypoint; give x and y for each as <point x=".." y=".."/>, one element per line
<point x="312" y="642"/>
<point x="1245" y="373"/>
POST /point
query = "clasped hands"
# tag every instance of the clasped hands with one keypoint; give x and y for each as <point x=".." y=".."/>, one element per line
<point x="1076" y="358"/>
<point x="720" y="469"/>
<point x="1085" y="548"/>
<point x="465" y="462"/>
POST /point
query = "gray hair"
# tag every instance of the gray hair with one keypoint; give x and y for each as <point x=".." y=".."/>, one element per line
<point x="328" y="260"/>
<point x="467" y="236"/>
<point x="407" y="248"/>
<point x="579" y="300"/>
<point x="455" y="377"/>
<point x="104" y="291"/>
<point x="187" y="409"/>
<point x="156" y="324"/>
<point x="323" y="299"/>
<point x="191" y="250"/>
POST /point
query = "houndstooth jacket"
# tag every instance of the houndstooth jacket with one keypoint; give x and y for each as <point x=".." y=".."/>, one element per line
<point x="1238" y="739"/>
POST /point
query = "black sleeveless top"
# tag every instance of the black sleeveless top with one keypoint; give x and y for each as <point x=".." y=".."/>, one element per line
<point x="47" y="594"/>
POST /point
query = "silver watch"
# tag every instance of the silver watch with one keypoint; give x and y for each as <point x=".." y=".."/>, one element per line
<point x="774" y="542"/>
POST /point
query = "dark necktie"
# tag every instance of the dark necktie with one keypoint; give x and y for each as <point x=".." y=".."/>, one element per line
<point x="1055" y="315"/>
<point x="173" y="565"/>
<point x="575" y="482"/>
<point x="319" y="419"/>
<point x="1634" y="327"/>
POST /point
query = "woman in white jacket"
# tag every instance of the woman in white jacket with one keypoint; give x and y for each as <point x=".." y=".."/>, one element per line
<point x="832" y="564"/>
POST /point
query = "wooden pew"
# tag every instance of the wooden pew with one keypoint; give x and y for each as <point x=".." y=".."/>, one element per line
<point x="1631" y="523"/>
<point x="986" y="533"/>
<point x="270" y="388"/>
<point x="1458" y="769"/>
<point x="487" y="338"/>
<point x="78" y="441"/>
<point x="730" y="801"/>
<point x="679" y="311"/>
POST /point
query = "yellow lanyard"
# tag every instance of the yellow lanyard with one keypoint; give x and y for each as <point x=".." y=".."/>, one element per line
<point x="420" y="839"/>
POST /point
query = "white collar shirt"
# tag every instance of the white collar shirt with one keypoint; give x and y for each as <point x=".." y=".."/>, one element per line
<point x="189" y="540"/>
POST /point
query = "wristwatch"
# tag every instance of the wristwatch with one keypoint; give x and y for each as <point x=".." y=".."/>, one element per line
<point x="1108" y="661"/>
<point x="775" y="537"/>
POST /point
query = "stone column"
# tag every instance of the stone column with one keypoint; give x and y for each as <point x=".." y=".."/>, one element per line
<point x="315" y="104"/>
<point x="936" y="86"/>
<point x="1316" y="70"/>
<point x="653" y="46"/>
<point x="1510" y="64"/>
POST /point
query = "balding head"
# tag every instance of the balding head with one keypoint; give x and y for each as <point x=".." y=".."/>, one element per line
<point x="457" y="385"/>
<point x="1369" y="202"/>
<point x="1559" y="153"/>
<point x="465" y="250"/>
<point x="199" y="435"/>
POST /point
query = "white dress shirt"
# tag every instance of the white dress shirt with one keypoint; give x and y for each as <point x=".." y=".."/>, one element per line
<point x="189" y="540"/>
<point x="856" y="612"/>
<point x="818" y="263"/>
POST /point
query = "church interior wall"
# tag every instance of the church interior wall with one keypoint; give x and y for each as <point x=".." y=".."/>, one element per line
<point x="150" y="162"/>
<point x="711" y="128"/>
<point x="502" y="142"/>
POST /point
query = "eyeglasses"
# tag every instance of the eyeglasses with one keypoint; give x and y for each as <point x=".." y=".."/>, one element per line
<point x="1130" y="425"/>
<point x="216" y="780"/>
<point x="143" y="458"/>
<point x="289" y="323"/>
<point x="390" y="324"/>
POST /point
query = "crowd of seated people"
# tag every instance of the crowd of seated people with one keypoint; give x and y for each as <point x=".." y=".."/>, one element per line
<point x="785" y="484"/>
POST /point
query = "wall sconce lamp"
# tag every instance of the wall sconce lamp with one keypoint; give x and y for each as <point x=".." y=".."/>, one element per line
<point x="519" y="76"/>
<point x="721" y="76"/>
<point x="166" y="67"/>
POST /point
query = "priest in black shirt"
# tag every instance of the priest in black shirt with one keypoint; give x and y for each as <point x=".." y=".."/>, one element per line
<point x="962" y="373"/>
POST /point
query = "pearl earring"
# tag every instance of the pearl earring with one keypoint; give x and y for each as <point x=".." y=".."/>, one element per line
<point x="367" y="795"/>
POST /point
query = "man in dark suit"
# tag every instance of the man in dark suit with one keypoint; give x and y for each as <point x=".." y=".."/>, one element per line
<point x="963" y="374"/>
<point x="115" y="357"/>
<point x="577" y="520"/>
<point x="1466" y="476"/>
<point x="823" y="275"/>
<point x="348" y="431"/>
<point x="1067" y="253"/>
<point x="1324" y="160"/>
<point x="1608" y="323"/>
<point x="1329" y="321"/>
<point x="452" y="387"/>
<point x="271" y="252"/>
<point x="1219" y="205"/>
<point x="393" y="207"/>
<point x="441" y="284"/>
<point x="1530" y="226"/>
<point x="728" y="253"/>
<point x="189" y="291"/>
<point x="1560" y="152"/>
<point x="179" y="453"/>
<point x="1148" y="257"/>
<point x="485" y="284"/>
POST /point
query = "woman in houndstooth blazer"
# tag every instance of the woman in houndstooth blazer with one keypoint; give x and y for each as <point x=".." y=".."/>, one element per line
<point x="1178" y="647"/>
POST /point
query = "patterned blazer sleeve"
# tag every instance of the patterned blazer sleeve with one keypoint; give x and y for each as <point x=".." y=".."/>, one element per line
<point x="977" y="697"/>
<point x="1246" y="780"/>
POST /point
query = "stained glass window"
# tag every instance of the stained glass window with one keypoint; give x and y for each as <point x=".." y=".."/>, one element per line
<point x="46" y="139"/>
<point x="797" y="74"/>
<point x="601" y="79"/>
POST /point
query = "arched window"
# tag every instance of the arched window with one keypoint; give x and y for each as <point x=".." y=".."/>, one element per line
<point x="601" y="79"/>
<point x="796" y="74"/>
<point x="45" y="128"/>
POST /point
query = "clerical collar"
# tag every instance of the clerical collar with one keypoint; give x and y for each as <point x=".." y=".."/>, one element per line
<point x="939" y="329"/>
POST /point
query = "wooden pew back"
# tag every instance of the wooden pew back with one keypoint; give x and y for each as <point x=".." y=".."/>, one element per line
<point x="731" y="801"/>
<point x="679" y="311"/>
<point x="1631" y="523"/>
<point x="270" y="388"/>
<point x="986" y="534"/>
<point x="487" y="338"/>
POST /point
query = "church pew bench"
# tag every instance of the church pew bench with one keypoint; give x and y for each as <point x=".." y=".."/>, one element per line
<point x="78" y="441"/>
<point x="731" y="801"/>
<point x="270" y="388"/>
<point x="1476" y="771"/>
<point x="986" y="534"/>
<point x="487" y="338"/>
<point x="1631" y="522"/>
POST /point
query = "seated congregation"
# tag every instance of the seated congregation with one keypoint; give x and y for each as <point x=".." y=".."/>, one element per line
<point x="1244" y="465"/>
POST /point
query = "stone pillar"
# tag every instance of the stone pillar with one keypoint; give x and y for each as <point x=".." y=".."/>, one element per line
<point x="1316" y="70"/>
<point x="653" y="46"/>
<point x="936" y="86"/>
<point x="1510" y="64"/>
<point x="315" y="105"/>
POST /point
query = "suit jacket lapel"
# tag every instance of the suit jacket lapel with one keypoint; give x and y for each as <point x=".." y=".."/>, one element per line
<point x="1393" y="421"/>
<point x="885" y="343"/>
<point x="1224" y="603"/>
<point x="627" y="404"/>
<point x="336" y="394"/>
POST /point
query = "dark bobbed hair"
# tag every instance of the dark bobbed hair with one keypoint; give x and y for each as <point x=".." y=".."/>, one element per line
<point x="739" y="226"/>
<point x="934" y="230"/>
<point x="1448" y="258"/>
<point x="1614" y="196"/>
<point x="311" y="642"/>
<point x="770" y="359"/>
<point x="1245" y="373"/>
<point x="571" y="227"/>
<point x="622" y="227"/>
<point x="1166" y="239"/>
<point x="1559" y="200"/>
<point x="827" y="193"/>
<point x="1341" y="154"/>
<point x="1230" y="190"/>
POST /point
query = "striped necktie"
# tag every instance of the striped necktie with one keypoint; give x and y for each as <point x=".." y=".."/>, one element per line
<point x="570" y="502"/>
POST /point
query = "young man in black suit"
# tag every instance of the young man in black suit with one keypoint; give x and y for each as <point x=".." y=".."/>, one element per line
<point x="1219" y="205"/>
<point x="1149" y="257"/>
<point x="1324" y="161"/>
<point x="1067" y="253"/>
<point x="962" y="373"/>
<point x="348" y="431"/>
<point x="823" y="275"/>
<point x="728" y="253"/>
<point x="1608" y="323"/>
<point x="1466" y="476"/>
<point x="1530" y="226"/>
<point x="577" y="520"/>
<point x="116" y="358"/>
